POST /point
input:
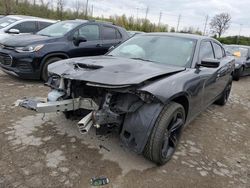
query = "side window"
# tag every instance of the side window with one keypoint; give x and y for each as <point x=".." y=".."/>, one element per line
<point x="42" y="25"/>
<point x="206" y="50"/>
<point x="110" y="33"/>
<point x="218" y="51"/>
<point x="26" y="27"/>
<point x="90" y="32"/>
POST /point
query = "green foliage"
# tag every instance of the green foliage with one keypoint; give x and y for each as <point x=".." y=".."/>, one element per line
<point x="235" y="40"/>
<point x="44" y="11"/>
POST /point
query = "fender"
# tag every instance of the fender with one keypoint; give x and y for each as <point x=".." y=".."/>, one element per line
<point x="54" y="54"/>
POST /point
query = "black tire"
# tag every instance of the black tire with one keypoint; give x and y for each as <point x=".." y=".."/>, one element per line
<point x="165" y="135"/>
<point x="44" y="73"/>
<point x="238" y="74"/>
<point x="225" y="95"/>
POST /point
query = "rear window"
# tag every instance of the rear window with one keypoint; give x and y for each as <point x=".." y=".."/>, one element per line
<point x="110" y="33"/>
<point x="42" y="25"/>
<point x="218" y="51"/>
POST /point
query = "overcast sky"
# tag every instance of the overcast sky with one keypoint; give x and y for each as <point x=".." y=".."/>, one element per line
<point x="193" y="12"/>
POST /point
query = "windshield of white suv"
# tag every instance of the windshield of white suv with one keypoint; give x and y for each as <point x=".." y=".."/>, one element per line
<point x="6" y="21"/>
<point x="169" y="50"/>
<point x="59" y="29"/>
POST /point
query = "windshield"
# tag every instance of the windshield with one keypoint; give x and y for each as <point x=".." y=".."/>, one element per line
<point x="230" y="50"/>
<point x="6" y="21"/>
<point x="59" y="29"/>
<point x="159" y="49"/>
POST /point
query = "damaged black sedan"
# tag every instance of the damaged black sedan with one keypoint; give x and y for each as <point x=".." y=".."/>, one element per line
<point x="148" y="88"/>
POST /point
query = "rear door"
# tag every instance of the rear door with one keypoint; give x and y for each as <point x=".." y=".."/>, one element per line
<point x="209" y="75"/>
<point x="93" y="44"/>
<point x="111" y="36"/>
<point x="222" y="74"/>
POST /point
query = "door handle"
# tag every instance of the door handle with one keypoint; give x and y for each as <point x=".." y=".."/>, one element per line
<point x="99" y="45"/>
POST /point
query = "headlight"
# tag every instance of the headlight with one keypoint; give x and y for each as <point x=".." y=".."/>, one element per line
<point x="31" y="48"/>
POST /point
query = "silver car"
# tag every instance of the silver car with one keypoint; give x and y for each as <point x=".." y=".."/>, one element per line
<point x="16" y="24"/>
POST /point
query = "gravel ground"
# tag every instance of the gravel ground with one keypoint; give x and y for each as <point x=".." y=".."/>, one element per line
<point x="37" y="151"/>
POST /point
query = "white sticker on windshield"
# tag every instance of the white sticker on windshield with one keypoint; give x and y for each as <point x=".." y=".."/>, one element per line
<point x="67" y="26"/>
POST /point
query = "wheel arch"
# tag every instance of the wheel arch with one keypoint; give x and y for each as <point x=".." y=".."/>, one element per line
<point x="62" y="55"/>
<point x="182" y="99"/>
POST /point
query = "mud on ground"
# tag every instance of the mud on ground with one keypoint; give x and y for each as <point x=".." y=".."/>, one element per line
<point x="37" y="151"/>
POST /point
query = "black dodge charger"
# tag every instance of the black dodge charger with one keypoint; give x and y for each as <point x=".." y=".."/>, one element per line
<point x="148" y="88"/>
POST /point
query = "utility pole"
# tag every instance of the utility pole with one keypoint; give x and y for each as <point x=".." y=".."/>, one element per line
<point x="86" y="11"/>
<point x="159" y="23"/>
<point x="205" y="26"/>
<point x="238" y="38"/>
<point x="146" y="16"/>
<point x="178" y="24"/>
<point x="92" y="11"/>
<point x="137" y="9"/>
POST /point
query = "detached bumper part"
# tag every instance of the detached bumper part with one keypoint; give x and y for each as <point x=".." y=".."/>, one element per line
<point x="59" y="106"/>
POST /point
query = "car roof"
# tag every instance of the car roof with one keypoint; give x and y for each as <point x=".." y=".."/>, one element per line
<point x="235" y="45"/>
<point x="23" y="17"/>
<point x="183" y="35"/>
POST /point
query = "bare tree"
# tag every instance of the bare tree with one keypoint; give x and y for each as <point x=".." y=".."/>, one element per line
<point x="60" y="8"/>
<point x="220" y="23"/>
<point x="77" y="7"/>
<point x="43" y="3"/>
<point x="7" y="6"/>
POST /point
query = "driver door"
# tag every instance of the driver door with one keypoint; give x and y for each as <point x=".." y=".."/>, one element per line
<point x="92" y="46"/>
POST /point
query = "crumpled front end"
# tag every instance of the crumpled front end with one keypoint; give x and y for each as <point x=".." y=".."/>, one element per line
<point x="124" y="108"/>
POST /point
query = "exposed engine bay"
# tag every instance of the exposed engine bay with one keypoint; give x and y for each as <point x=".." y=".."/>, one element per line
<point x="126" y="109"/>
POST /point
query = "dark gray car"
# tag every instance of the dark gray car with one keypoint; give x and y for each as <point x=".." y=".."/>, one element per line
<point x="242" y="59"/>
<point x="148" y="89"/>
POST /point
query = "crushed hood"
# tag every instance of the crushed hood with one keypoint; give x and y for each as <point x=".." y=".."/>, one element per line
<point x="114" y="71"/>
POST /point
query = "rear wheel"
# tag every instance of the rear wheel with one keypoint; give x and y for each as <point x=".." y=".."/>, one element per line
<point x="44" y="73"/>
<point x="238" y="74"/>
<point x="166" y="133"/>
<point x="225" y="95"/>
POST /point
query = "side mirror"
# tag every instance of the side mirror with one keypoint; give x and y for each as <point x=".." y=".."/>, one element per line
<point x="209" y="63"/>
<point x="78" y="40"/>
<point x="14" y="31"/>
<point x="111" y="48"/>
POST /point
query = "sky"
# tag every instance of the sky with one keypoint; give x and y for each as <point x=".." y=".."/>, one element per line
<point x="192" y="13"/>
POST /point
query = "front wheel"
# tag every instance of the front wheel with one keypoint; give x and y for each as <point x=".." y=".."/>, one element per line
<point x="44" y="73"/>
<point x="166" y="133"/>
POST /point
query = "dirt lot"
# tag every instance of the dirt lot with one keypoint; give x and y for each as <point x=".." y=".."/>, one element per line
<point x="49" y="151"/>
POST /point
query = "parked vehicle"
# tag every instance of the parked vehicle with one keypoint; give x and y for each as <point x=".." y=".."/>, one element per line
<point x="242" y="59"/>
<point x="16" y="24"/>
<point x="148" y="88"/>
<point x="133" y="33"/>
<point x="29" y="56"/>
